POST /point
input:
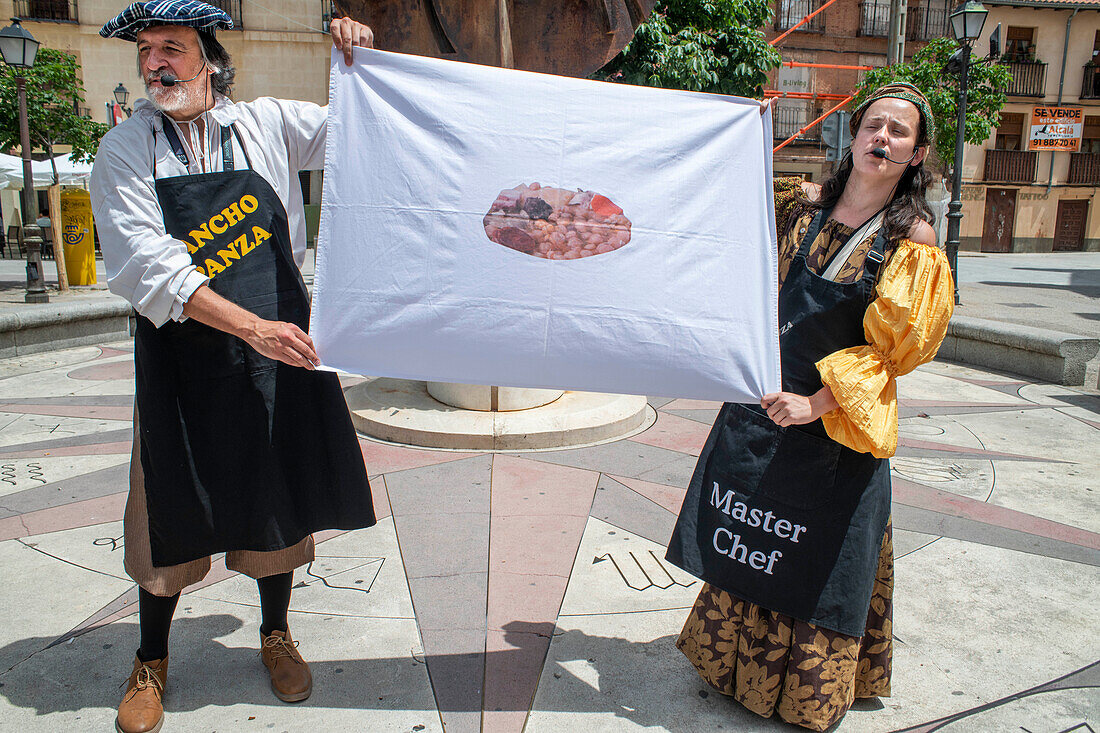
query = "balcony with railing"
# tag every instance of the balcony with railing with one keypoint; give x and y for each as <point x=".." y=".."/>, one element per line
<point x="1090" y="84"/>
<point x="1010" y="166"/>
<point x="923" y="21"/>
<point x="1084" y="169"/>
<point x="874" y="18"/>
<point x="1028" y="78"/>
<point x="56" y="10"/>
<point x="927" y="20"/>
<point x="233" y="9"/>
<point x="788" y="119"/>
<point x="791" y="12"/>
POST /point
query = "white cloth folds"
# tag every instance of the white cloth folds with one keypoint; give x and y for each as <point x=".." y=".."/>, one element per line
<point x="408" y="283"/>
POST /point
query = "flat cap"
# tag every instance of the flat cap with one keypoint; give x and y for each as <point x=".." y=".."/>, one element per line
<point x="144" y="13"/>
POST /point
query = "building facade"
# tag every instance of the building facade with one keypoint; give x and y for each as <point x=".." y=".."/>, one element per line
<point x="1017" y="199"/>
<point x="281" y="49"/>
<point x="848" y="33"/>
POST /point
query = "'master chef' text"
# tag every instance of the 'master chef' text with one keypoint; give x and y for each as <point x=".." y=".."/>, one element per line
<point x="729" y="543"/>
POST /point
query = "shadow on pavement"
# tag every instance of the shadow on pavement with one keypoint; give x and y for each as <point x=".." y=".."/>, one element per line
<point x="87" y="672"/>
<point x="1087" y="286"/>
<point x="648" y="683"/>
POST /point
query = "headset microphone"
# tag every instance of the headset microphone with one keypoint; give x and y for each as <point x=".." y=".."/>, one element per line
<point x="881" y="153"/>
<point x="168" y="79"/>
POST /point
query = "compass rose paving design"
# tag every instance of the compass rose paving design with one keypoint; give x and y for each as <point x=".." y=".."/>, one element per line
<point x="528" y="591"/>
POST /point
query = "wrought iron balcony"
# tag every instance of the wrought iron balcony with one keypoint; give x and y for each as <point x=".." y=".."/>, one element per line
<point x="1090" y="85"/>
<point x="791" y="12"/>
<point x="927" y="21"/>
<point x="1084" y="169"/>
<point x="1028" y="78"/>
<point x="1010" y="166"/>
<point x="59" y="10"/>
<point x="874" y="18"/>
<point x="233" y="8"/>
<point x="923" y="22"/>
<point x="787" y="120"/>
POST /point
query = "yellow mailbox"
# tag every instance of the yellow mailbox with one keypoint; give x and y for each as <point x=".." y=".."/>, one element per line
<point x="78" y="234"/>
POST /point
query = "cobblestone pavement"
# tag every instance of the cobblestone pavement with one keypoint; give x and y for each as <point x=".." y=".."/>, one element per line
<point x="528" y="589"/>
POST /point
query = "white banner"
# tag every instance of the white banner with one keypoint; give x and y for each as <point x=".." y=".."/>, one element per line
<point x="491" y="226"/>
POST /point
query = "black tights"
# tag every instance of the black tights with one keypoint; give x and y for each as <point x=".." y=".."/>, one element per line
<point x="155" y="614"/>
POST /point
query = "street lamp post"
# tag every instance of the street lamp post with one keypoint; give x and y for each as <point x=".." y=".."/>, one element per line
<point x="18" y="48"/>
<point x="121" y="95"/>
<point x="966" y="25"/>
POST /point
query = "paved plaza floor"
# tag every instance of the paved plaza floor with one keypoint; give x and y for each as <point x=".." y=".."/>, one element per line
<point x="527" y="591"/>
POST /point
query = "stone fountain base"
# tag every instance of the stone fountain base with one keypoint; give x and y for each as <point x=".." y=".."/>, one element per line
<point x="404" y="411"/>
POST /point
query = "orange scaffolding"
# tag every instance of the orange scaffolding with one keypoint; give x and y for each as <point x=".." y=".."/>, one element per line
<point x="775" y="41"/>
<point x="807" y="127"/>
<point x="844" y="98"/>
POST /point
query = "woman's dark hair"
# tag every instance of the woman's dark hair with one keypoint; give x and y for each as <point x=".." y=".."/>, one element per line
<point x="216" y="55"/>
<point x="907" y="204"/>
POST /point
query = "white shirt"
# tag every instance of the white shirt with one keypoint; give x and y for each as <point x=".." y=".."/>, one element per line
<point x="146" y="266"/>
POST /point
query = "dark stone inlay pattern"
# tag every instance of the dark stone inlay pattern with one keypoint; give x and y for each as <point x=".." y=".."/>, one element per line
<point x="927" y="521"/>
<point x="707" y="417"/>
<point x="441" y="514"/>
<point x="104" y="482"/>
<point x="627" y="458"/>
<point x="625" y="508"/>
<point x="107" y="400"/>
<point x="107" y="436"/>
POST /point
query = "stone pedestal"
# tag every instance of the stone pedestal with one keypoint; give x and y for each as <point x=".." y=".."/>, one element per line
<point x="405" y="411"/>
<point x="484" y="398"/>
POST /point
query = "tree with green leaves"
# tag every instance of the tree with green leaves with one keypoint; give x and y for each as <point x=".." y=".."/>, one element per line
<point x="699" y="45"/>
<point x="985" y="94"/>
<point x="54" y="96"/>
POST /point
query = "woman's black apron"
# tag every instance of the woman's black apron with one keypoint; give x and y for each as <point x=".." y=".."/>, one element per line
<point x="240" y="452"/>
<point x="787" y="518"/>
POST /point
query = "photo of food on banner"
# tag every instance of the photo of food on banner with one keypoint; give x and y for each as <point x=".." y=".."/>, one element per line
<point x="556" y="223"/>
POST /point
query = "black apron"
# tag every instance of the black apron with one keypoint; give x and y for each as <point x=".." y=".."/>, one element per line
<point x="240" y="452"/>
<point x="788" y="518"/>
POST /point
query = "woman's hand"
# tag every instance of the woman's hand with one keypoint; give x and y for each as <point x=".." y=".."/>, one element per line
<point x="787" y="408"/>
<point x="766" y="104"/>
<point x="347" y="33"/>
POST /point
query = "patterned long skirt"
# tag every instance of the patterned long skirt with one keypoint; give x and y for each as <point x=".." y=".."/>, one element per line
<point x="773" y="664"/>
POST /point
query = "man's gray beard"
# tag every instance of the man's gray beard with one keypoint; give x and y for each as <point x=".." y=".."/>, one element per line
<point x="174" y="99"/>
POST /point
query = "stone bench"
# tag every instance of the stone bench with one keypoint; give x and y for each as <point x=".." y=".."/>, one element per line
<point x="1052" y="356"/>
<point x="46" y="327"/>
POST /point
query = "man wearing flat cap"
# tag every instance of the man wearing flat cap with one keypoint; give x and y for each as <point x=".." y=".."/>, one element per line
<point x="240" y="446"/>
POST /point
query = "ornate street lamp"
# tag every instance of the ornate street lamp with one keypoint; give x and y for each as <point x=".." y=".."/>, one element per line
<point x="966" y="25"/>
<point x="121" y="95"/>
<point x="19" y="49"/>
<point x="967" y="21"/>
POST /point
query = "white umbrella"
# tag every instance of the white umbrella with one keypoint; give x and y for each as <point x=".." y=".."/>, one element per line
<point x="68" y="172"/>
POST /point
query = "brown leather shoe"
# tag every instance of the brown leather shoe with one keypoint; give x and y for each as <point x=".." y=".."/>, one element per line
<point x="290" y="677"/>
<point x="141" y="709"/>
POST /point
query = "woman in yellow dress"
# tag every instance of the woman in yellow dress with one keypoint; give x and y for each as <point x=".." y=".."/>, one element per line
<point x="787" y="515"/>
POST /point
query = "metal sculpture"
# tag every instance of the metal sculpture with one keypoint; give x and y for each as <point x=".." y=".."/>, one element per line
<point x="571" y="38"/>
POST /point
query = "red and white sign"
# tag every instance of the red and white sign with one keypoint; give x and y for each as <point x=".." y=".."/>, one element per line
<point x="1056" y="128"/>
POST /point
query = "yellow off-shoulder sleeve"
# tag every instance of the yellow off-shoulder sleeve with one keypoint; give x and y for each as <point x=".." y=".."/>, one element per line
<point x="904" y="326"/>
